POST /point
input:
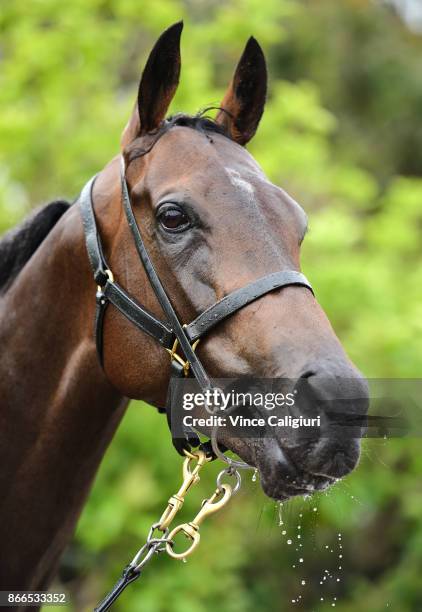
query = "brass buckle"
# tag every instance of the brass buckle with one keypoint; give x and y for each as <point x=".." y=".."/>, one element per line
<point x="174" y="355"/>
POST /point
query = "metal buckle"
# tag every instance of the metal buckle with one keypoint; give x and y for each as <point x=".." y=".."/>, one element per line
<point x="108" y="273"/>
<point x="174" y="355"/>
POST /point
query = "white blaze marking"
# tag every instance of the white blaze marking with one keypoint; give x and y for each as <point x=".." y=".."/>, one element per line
<point x="240" y="183"/>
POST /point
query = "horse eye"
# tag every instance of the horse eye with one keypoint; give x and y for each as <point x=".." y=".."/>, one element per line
<point x="173" y="219"/>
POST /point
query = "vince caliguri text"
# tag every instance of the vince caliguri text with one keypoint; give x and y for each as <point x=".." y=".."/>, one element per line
<point x="271" y="420"/>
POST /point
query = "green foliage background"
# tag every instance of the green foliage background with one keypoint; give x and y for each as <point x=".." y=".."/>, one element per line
<point x="342" y="133"/>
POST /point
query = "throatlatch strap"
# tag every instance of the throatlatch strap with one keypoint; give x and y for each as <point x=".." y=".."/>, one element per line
<point x="137" y="315"/>
<point x="100" y="309"/>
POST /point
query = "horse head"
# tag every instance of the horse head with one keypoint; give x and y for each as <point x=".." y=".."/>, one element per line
<point x="212" y="223"/>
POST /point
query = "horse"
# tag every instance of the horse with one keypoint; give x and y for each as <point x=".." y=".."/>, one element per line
<point x="212" y="223"/>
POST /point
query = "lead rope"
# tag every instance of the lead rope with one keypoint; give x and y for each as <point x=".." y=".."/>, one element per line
<point x="160" y="538"/>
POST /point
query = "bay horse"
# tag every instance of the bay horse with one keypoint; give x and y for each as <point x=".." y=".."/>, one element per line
<point x="212" y="223"/>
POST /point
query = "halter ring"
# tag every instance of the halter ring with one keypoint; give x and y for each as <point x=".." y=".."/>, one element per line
<point x="232" y="463"/>
<point x="174" y="355"/>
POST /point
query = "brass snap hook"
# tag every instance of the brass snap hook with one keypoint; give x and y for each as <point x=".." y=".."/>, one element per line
<point x="191" y="530"/>
<point x="190" y="478"/>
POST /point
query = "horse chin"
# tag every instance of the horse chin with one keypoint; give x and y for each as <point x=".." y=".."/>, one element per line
<point x="281" y="478"/>
<point x="305" y="484"/>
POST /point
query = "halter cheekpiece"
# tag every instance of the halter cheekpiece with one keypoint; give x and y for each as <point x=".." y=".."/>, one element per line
<point x="171" y="333"/>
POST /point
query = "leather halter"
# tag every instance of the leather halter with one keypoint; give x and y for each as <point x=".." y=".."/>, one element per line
<point x="170" y="333"/>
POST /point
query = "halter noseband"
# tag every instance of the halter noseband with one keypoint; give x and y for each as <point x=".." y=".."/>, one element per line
<point x="171" y="334"/>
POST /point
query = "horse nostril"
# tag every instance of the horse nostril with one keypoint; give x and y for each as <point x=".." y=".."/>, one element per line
<point x="308" y="374"/>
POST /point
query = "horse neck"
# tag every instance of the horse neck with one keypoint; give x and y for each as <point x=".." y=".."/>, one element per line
<point x="58" y="412"/>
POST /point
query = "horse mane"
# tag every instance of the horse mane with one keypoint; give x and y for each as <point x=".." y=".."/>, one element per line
<point x="201" y="122"/>
<point x="21" y="242"/>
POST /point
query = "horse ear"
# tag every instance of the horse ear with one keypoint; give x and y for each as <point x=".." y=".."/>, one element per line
<point x="243" y="104"/>
<point x="158" y="85"/>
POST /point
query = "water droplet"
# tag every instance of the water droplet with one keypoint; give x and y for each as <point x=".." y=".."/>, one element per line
<point x="184" y="560"/>
<point x="280" y="514"/>
<point x="322" y="599"/>
<point x="293" y="600"/>
<point x="338" y="579"/>
<point x="315" y="509"/>
<point x="340" y="556"/>
<point x="301" y="560"/>
<point x="299" y="527"/>
<point x="254" y="477"/>
<point x="289" y="542"/>
<point x="303" y="582"/>
<point x="283" y="532"/>
<point x="299" y="536"/>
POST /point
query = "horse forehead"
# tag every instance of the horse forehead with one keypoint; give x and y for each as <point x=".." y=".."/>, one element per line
<point x="210" y="165"/>
<point x="246" y="180"/>
<point x="185" y="151"/>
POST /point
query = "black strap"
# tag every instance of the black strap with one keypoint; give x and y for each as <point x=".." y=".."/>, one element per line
<point x="92" y="239"/>
<point x="236" y="300"/>
<point x="110" y="291"/>
<point x="190" y="438"/>
<point x="164" y="332"/>
<point x="138" y="315"/>
<point x="166" y="305"/>
<point x="101" y="307"/>
<point x="129" y="575"/>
